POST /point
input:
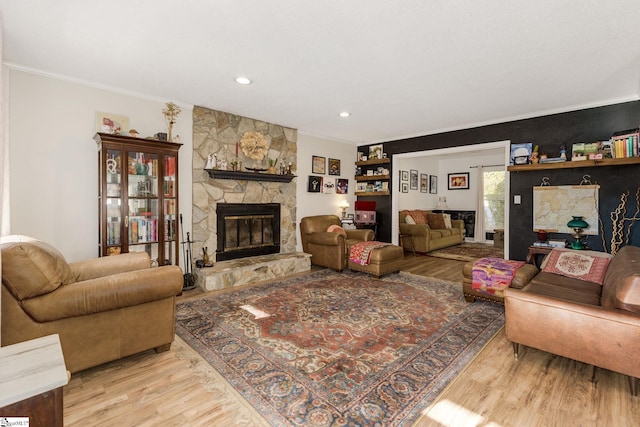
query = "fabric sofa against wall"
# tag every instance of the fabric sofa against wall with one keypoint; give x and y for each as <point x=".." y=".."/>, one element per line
<point x="428" y="231"/>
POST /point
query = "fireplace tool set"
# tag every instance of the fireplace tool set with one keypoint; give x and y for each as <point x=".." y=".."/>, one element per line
<point x="189" y="277"/>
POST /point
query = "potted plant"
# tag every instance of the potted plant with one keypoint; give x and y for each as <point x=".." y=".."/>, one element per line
<point x="272" y="166"/>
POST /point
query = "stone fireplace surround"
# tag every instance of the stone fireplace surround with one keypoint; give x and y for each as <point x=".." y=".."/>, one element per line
<point x="216" y="132"/>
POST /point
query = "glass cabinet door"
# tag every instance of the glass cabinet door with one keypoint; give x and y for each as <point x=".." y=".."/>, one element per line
<point x="113" y="202"/>
<point x="170" y="223"/>
<point x="143" y="205"/>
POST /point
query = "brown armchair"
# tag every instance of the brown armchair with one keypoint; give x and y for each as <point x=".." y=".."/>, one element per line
<point x="102" y="309"/>
<point x="329" y="249"/>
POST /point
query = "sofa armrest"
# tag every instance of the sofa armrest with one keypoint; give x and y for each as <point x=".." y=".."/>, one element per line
<point x="106" y="293"/>
<point x="457" y="223"/>
<point x="415" y="229"/>
<point x="362" y="234"/>
<point x="599" y="336"/>
<point x="104" y="266"/>
<point x="326" y="238"/>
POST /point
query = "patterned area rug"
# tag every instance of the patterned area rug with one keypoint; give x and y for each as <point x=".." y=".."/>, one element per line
<point x="340" y="349"/>
<point x="468" y="252"/>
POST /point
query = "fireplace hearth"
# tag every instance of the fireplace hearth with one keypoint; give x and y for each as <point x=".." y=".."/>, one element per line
<point x="247" y="229"/>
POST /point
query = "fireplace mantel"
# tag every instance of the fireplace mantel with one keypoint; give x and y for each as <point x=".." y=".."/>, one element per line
<point x="249" y="176"/>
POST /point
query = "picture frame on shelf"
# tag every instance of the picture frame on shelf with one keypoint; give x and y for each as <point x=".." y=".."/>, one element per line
<point x="433" y="184"/>
<point x="413" y="179"/>
<point x="404" y="187"/>
<point x="375" y="151"/>
<point x="458" y="181"/>
<point x="315" y="184"/>
<point x="521" y="153"/>
<point x="334" y="166"/>
<point x="317" y="164"/>
<point x="115" y="124"/>
<point x="404" y="175"/>
<point x="424" y="183"/>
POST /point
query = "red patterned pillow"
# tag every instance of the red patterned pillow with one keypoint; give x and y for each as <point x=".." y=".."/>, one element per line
<point x="420" y="217"/>
<point x="590" y="266"/>
<point x="336" y="229"/>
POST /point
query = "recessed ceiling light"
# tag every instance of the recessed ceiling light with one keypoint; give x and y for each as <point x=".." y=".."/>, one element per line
<point x="344" y="114"/>
<point x="243" y="80"/>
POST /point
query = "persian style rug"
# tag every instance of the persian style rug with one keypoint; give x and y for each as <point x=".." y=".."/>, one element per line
<point x="468" y="252"/>
<point x="341" y="349"/>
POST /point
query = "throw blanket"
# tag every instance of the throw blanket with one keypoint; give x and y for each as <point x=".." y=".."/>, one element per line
<point x="493" y="274"/>
<point x="360" y="253"/>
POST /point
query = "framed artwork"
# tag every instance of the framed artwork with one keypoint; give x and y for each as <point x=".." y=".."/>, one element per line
<point x="521" y="153"/>
<point x="405" y="187"/>
<point x="459" y="181"/>
<point x="404" y="175"/>
<point x="334" y="166"/>
<point x="413" y="179"/>
<point x="315" y="184"/>
<point x="317" y="164"/>
<point x="115" y="124"/>
<point x="328" y="187"/>
<point x="424" y="183"/>
<point x="433" y="184"/>
<point x="375" y="151"/>
<point x="342" y="186"/>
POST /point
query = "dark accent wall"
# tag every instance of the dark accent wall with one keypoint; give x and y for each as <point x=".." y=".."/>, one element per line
<point x="549" y="132"/>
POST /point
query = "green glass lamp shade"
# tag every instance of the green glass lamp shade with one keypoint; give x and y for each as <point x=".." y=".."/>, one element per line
<point x="578" y="222"/>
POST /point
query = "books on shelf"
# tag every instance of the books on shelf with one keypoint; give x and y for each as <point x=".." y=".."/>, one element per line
<point x="624" y="144"/>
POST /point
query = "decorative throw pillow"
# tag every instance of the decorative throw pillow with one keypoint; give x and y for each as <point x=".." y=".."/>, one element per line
<point x="589" y="266"/>
<point x="337" y="229"/>
<point x="409" y="219"/>
<point x="436" y="221"/>
<point x="447" y="221"/>
<point x="420" y="217"/>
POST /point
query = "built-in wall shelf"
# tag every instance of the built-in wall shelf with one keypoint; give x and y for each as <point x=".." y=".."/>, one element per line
<point x="373" y="162"/>
<point x="372" y="193"/>
<point x="576" y="164"/>
<point x="248" y="176"/>
<point x="371" y="177"/>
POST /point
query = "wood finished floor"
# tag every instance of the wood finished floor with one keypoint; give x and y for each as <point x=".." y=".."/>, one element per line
<point x="179" y="388"/>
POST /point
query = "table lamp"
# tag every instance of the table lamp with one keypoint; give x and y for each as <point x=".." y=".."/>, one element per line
<point x="577" y="224"/>
<point x="344" y="205"/>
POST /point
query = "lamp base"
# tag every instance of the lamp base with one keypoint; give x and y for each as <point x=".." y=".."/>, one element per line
<point x="577" y="244"/>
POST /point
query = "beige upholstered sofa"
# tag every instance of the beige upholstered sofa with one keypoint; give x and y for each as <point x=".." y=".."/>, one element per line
<point x="426" y="235"/>
<point x="329" y="249"/>
<point x="581" y="319"/>
<point x="102" y="309"/>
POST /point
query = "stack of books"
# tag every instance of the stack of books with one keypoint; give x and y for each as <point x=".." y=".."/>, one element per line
<point x="625" y="144"/>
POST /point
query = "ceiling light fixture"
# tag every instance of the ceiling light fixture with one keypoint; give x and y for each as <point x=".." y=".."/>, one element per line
<point x="344" y="114"/>
<point x="243" y="80"/>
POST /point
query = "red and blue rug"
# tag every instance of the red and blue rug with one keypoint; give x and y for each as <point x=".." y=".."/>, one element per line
<point x="339" y="349"/>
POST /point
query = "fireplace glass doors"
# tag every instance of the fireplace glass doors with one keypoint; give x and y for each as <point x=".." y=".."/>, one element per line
<point x="247" y="229"/>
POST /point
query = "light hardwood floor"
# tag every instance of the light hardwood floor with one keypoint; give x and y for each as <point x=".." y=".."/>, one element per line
<point x="179" y="388"/>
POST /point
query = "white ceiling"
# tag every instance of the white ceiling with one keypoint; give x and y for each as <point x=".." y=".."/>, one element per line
<point x="402" y="68"/>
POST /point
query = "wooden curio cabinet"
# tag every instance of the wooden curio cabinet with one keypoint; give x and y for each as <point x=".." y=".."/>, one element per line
<point x="138" y="197"/>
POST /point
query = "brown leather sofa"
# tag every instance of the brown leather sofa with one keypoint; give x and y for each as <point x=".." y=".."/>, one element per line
<point x="103" y="309"/>
<point x="329" y="249"/>
<point x="585" y="321"/>
<point x="425" y="238"/>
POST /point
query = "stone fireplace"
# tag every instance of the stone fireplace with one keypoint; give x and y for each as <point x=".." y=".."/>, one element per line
<point x="217" y="133"/>
<point x="247" y="229"/>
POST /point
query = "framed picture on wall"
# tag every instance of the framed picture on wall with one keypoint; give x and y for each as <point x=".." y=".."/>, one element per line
<point x="334" y="166"/>
<point x="317" y="164"/>
<point x="405" y="187"/>
<point x="413" y="179"/>
<point x="404" y="175"/>
<point x="315" y="184"/>
<point x="433" y="184"/>
<point x="342" y="186"/>
<point x="424" y="183"/>
<point x="459" y="181"/>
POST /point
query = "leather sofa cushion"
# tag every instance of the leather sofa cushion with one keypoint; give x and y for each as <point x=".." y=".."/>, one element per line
<point x="565" y="288"/>
<point x="621" y="286"/>
<point x="436" y="220"/>
<point x="31" y="268"/>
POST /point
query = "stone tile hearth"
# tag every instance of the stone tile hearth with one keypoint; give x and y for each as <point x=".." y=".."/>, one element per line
<point x="238" y="272"/>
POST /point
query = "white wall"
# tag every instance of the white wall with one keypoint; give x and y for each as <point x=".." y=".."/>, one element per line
<point x="53" y="157"/>
<point x="319" y="203"/>
<point x="415" y="199"/>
